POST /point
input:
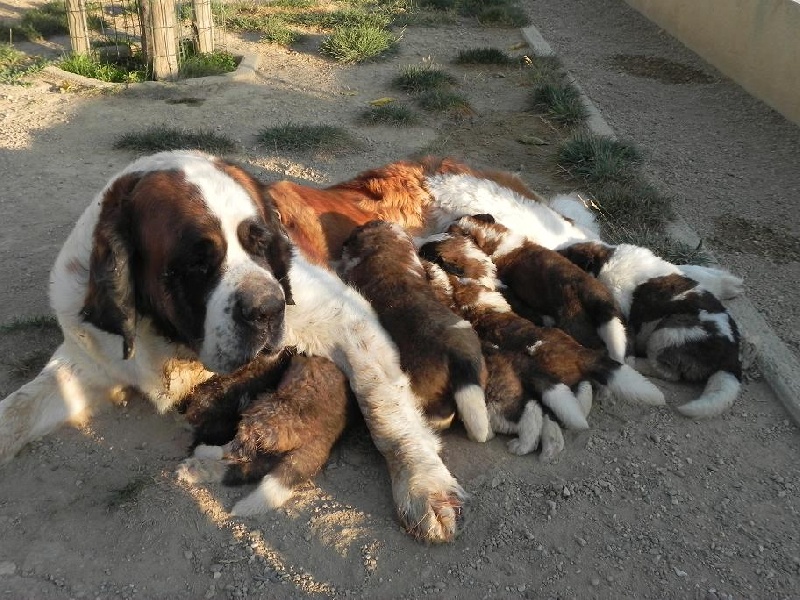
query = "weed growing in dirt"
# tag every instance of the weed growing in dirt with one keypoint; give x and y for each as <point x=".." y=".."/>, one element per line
<point x="389" y="114"/>
<point x="444" y="101"/>
<point x="27" y="323"/>
<point x="483" y="56"/>
<point x="207" y="63"/>
<point x="358" y="44"/>
<point x="418" y="79"/>
<point x="276" y="31"/>
<point x="128" y="494"/>
<point x="301" y="138"/>
<point x="598" y="159"/>
<point x="634" y="203"/>
<point x="45" y="21"/>
<point x="15" y="66"/>
<point x="544" y="69"/>
<point x="26" y="366"/>
<point x="494" y="13"/>
<point x="561" y="102"/>
<point x="90" y="66"/>
<point x="162" y="137"/>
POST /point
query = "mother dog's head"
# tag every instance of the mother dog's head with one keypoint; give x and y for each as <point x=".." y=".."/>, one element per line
<point x="194" y="244"/>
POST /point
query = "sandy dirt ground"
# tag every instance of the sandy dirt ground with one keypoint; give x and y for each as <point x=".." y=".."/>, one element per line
<point x="646" y="504"/>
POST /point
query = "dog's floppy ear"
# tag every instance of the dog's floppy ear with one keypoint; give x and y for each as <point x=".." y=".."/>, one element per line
<point x="484" y="218"/>
<point x="110" y="299"/>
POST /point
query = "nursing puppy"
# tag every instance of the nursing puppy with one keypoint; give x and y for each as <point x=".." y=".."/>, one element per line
<point x="513" y="390"/>
<point x="682" y="329"/>
<point x="439" y="351"/>
<point x="284" y="436"/>
<point x="556" y="363"/>
<point x="548" y="284"/>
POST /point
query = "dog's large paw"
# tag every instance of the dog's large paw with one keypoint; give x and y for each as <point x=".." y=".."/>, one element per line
<point x="195" y="470"/>
<point x="430" y="507"/>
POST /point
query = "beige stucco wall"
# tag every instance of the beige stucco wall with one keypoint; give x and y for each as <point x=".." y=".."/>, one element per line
<point x="754" y="42"/>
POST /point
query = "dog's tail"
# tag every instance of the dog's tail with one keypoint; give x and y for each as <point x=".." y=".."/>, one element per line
<point x="626" y="383"/>
<point x="723" y="284"/>
<point x="55" y="396"/>
<point x="467" y="374"/>
<point x="565" y="406"/>
<point x="615" y="338"/>
<point x="721" y="390"/>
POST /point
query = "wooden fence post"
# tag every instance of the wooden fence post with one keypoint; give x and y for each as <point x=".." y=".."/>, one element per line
<point x="160" y="26"/>
<point x="78" y="31"/>
<point x="203" y="25"/>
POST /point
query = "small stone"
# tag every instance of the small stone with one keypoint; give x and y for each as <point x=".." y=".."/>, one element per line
<point x="595" y="581"/>
<point x="217" y="574"/>
<point x="565" y="492"/>
<point x="679" y="573"/>
<point x="216" y="568"/>
<point x="188" y="555"/>
<point x="7" y="568"/>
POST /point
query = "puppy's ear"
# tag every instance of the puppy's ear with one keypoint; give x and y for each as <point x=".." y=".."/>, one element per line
<point x="280" y="254"/>
<point x="110" y="302"/>
<point x="484" y="218"/>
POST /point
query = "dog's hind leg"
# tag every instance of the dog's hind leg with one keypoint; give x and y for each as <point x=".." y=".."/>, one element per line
<point x="529" y="430"/>
<point x="57" y="395"/>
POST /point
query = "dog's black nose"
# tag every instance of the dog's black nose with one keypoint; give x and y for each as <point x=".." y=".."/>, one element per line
<point x="258" y="306"/>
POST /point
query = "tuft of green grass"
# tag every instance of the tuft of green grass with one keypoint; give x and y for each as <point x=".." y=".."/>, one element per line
<point x="15" y="66"/>
<point x="129" y="493"/>
<point x="544" y="69"/>
<point x="294" y="137"/>
<point x="89" y="66"/>
<point x="340" y="19"/>
<point x="45" y="21"/>
<point x="389" y="114"/>
<point x="661" y="244"/>
<point x="494" y="13"/>
<point x="438" y="4"/>
<point x="162" y="137"/>
<point x="561" y="102"/>
<point x="358" y="44"/>
<point x="418" y="79"/>
<point x="27" y="323"/>
<point x="598" y="159"/>
<point x="276" y="30"/>
<point x="483" y="56"/>
<point x="207" y="63"/>
<point x="440" y="100"/>
<point x="633" y="203"/>
<point x="29" y="364"/>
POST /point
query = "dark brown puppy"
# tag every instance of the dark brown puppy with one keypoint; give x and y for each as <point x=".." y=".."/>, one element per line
<point x="549" y="284"/>
<point x="284" y="437"/>
<point x="438" y="349"/>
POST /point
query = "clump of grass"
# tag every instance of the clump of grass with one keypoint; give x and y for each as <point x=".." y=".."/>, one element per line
<point x="495" y="13"/>
<point x="389" y="114"/>
<point x="660" y="243"/>
<point x="27" y="323"/>
<point x="15" y="66"/>
<point x="341" y="19"/>
<point x="45" y="21"/>
<point x="206" y="64"/>
<point x="162" y="137"/>
<point x="544" y="69"/>
<point x="89" y="66"/>
<point x="294" y="137"/>
<point x="275" y="30"/>
<point x="633" y="203"/>
<point x="418" y="79"/>
<point x="598" y="159"/>
<point x="29" y="364"/>
<point x="561" y="102"/>
<point x="441" y="100"/>
<point x="129" y="493"/>
<point x="483" y="56"/>
<point x="358" y="44"/>
<point x="438" y="4"/>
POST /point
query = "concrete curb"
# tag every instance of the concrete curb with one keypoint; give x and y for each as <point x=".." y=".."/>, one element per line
<point x="776" y="360"/>
<point x="245" y="71"/>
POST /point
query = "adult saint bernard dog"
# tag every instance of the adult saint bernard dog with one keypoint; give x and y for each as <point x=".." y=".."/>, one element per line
<point x="181" y="268"/>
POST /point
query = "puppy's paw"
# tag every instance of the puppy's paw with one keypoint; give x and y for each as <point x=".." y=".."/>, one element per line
<point x="205" y="452"/>
<point x="430" y="504"/>
<point x="194" y="470"/>
<point x="269" y="495"/>
<point x="519" y="447"/>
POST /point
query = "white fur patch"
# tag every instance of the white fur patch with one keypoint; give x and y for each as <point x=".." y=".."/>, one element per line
<point x="529" y="430"/>
<point x="462" y="325"/>
<point x="574" y="207"/>
<point x="632" y="386"/>
<point x="720" y="391"/>
<point x="721" y="320"/>
<point x="723" y="284"/>
<point x="456" y="195"/>
<point x="615" y="338"/>
<point x="565" y="405"/>
<point x="269" y="495"/>
<point x="552" y="439"/>
<point x="531" y="350"/>
<point x="471" y="405"/>
<point x="584" y="394"/>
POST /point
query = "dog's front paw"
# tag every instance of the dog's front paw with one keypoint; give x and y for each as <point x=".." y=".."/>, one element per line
<point x="430" y="505"/>
<point x="194" y="470"/>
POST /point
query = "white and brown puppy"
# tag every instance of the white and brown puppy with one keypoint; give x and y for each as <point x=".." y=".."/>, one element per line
<point x="438" y="349"/>
<point x="548" y="284"/>
<point x="180" y="267"/>
<point x="284" y="437"/>
<point x="561" y="361"/>
<point x="681" y="328"/>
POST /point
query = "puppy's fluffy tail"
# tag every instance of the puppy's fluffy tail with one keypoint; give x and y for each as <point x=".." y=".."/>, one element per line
<point x="723" y="284"/>
<point x="630" y="385"/>
<point x="565" y="406"/>
<point x="466" y="376"/>
<point x="56" y="395"/>
<point x="721" y="390"/>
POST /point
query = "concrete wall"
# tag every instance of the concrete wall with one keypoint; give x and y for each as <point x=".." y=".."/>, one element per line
<point x="754" y="42"/>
